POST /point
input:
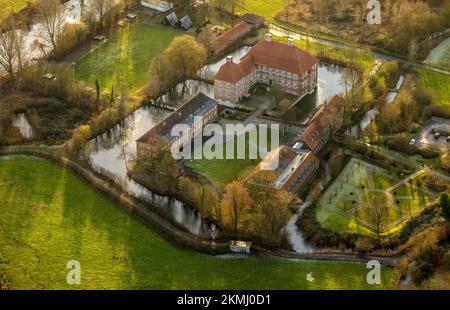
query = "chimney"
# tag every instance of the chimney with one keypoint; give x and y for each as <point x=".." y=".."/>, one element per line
<point x="268" y="37"/>
<point x="291" y="42"/>
<point x="230" y="59"/>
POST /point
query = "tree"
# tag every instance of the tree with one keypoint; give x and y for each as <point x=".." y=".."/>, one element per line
<point x="186" y="55"/>
<point x="101" y="7"/>
<point x="271" y="213"/>
<point x="207" y="201"/>
<point x="51" y="15"/>
<point x="11" y="48"/>
<point x="97" y="91"/>
<point x="445" y="206"/>
<point x="413" y="48"/>
<point x="285" y="104"/>
<point x="157" y="165"/>
<point x="207" y="37"/>
<point x="235" y="202"/>
<point x="276" y="93"/>
<point x="377" y="208"/>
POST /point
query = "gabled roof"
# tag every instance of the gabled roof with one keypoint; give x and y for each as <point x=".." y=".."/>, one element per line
<point x="230" y="36"/>
<point x="269" y="53"/>
<point x="186" y="22"/>
<point x="282" y="56"/>
<point x="185" y="114"/>
<point x="252" y="18"/>
<point x="313" y="135"/>
<point x="232" y="72"/>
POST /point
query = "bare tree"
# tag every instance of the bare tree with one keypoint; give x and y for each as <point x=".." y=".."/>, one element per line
<point x="377" y="207"/>
<point x="11" y="48"/>
<point x="101" y="7"/>
<point x="51" y="15"/>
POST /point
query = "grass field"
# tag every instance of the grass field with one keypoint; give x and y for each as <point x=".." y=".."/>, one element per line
<point x="347" y="205"/>
<point x="333" y="54"/>
<point x="437" y="83"/>
<point x="49" y="217"/>
<point x="126" y="57"/>
<point x="224" y="171"/>
<point x="267" y="9"/>
<point x="8" y="7"/>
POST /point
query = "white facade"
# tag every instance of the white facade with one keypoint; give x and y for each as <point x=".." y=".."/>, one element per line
<point x="157" y="5"/>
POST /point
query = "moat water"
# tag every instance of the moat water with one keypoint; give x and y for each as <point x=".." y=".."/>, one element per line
<point x="111" y="152"/>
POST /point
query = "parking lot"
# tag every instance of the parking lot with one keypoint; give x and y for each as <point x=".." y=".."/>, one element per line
<point x="435" y="133"/>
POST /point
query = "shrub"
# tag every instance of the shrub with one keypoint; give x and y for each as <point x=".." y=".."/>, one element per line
<point x="72" y="36"/>
<point x="364" y="244"/>
<point x="445" y="206"/>
<point x="445" y="161"/>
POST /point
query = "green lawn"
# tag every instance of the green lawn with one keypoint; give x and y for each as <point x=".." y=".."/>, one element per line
<point x="224" y="171"/>
<point x="267" y="9"/>
<point x="437" y="83"/>
<point x="346" y="205"/>
<point x="126" y="57"/>
<point x="11" y="6"/>
<point x="49" y="216"/>
<point x="333" y="54"/>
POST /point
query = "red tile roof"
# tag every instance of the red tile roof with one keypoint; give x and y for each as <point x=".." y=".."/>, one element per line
<point x="222" y="42"/>
<point x="272" y="54"/>
<point x="282" y="56"/>
<point x="232" y="72"/>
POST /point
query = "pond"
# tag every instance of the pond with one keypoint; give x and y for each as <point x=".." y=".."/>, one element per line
<point x="329" y="85"/>
<point x="20" y="121"/>
<point x="110" y="153"/>
<point x="372" y="114"/>
<point x="34" y="35"/>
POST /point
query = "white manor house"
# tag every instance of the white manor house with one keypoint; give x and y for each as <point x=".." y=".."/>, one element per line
<point x="269" y="62"/>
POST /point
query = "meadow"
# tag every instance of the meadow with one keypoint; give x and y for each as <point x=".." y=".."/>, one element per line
<point x="437" y="83"/>
<point x="224" y="171"/>
<point x="8" y="7"/>
<point x="49" y="217"/>
<point x="348" y="204"/>
<point x="125" y="59"/>
<point x="267" y="9"/>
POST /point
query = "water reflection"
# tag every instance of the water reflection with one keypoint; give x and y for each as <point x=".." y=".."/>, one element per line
<point x="372" y="114"/>
<point x="20" y="121"/>
<point x="110" y="153"/>
<point x="208" y="71"/>
<point x="184" y="92"/>
<point x="295" y="237"/>
<point x="329" y="84"/>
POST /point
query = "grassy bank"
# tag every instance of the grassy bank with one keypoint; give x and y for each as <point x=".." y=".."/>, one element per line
<point x="49" y="217"/>
<point x="437" y="83"/>
<point x="267" y="9"/>
<point x="332" y="54"/>
<point x="8" y="7"/>
<point x="125" y="59"/>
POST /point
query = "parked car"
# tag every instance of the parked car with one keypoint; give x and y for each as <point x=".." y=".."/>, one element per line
<point x="412" y="142"/>
<point x="437" y="135"/>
